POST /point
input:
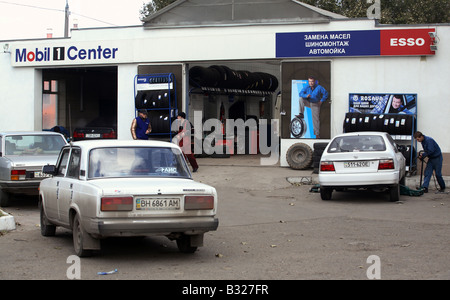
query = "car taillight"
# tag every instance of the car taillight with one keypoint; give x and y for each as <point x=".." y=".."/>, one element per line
<point x="198" y="202"/>
<point x="326" y="166"/>
<point x="78" y="135"/>
<point x="386" y="164"/>
<point x="18" y="174"/>
<point x="110" y="135"/>
<point x="117" y="204"/>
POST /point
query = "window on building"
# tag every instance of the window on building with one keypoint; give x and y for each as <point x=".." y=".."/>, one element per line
<point x="50" y="104"/>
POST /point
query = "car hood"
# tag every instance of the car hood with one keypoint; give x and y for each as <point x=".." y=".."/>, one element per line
<point x="35" y="160"/>
<point x="152" y="186"/>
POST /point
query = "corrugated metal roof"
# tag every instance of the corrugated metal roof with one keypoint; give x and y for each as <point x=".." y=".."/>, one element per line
<point x="224" y="12"/>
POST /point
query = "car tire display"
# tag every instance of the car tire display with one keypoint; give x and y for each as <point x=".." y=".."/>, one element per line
<point x="398" y="124"/>
<point x="223" y="77"/>
<point x="299" y="156"/>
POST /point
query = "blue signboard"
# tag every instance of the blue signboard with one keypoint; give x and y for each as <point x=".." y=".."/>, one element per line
<point x="328" y="43"/>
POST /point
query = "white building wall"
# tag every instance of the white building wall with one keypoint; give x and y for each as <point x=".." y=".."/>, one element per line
<point x="20" y="84"/>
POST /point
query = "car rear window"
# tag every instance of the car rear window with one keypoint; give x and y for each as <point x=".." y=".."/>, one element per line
<point x="33" y="144"/>
<point x="137" y="162"/>
<point x="357" y="143"/>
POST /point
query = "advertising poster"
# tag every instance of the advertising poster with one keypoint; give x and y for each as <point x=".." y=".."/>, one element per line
<point x="300" y="127"/>
<point x="307" y="99"/>
<point x="383" y="103"/>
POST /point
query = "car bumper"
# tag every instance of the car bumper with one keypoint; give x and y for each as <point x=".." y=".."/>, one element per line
<point x="359" y="180"/>
<point x="152" y="226"/>
<point x="21" y="187"/>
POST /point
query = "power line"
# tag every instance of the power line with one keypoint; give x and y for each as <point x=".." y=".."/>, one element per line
<point x="54" y="9"/>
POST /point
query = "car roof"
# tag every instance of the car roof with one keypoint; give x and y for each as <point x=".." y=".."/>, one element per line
<point x="89" y="144"/>
<point x="380" y="133"/>
<point x="29" y="133"/>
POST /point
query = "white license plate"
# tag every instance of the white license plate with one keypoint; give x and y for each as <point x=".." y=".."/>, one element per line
<point x="38" y="174"/>
<point x="158" y="203"/>
<point x="92" y="135"/>
<point x="356" y="164"/>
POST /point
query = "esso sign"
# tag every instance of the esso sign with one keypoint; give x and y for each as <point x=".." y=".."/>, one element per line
<point x="406" y="41"/>
<point x="402" y="42"/>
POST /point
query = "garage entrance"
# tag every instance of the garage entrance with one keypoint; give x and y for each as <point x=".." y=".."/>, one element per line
<point x="79" y="97"/>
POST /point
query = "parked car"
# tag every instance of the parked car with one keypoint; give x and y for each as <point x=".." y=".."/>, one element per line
<point x="362" y="160"/>
<point x="106" y="188"/>
<point x="100" y="128"/>
<point x="22" y="156"/>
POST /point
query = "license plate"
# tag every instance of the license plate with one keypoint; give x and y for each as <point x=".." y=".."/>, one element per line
<point x="38" y="174"/>
<point x="157" y="203"/>
<point x="92" y="135"/>
<point x="356" y="164"/>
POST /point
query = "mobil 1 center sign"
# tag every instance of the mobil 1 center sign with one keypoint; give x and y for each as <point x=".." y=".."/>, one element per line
<point x="355" y="43"/>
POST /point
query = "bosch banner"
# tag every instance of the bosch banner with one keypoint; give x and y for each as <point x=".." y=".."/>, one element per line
<point x="355" y="43"/>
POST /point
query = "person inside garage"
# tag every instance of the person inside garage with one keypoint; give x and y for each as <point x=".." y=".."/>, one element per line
<point x="431" y="150"/>
<point x="184" y="130"/>
<point x="141" y="127"/>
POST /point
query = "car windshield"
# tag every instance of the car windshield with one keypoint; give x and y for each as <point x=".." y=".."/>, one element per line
<point x="357" y="143"/>
<point x="137" y="162"/>
<point x="33" y="144"/>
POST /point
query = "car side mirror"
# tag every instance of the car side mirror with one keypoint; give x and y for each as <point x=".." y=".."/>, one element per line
<point x="49" y="169"/>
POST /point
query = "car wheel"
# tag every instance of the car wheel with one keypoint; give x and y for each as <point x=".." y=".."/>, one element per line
<point x="299" y="156"/>
<point x="394" y="193"/>
<point x="184" y="244"/>
<point x="78" y="238"/>
<point x="325" y="193"/>
<point x="4" y="199"/>
<point x="47" y="229"/>
<point x="298" y="127"/>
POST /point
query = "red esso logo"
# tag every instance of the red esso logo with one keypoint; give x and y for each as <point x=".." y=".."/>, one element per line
<point x="402" y="42"/>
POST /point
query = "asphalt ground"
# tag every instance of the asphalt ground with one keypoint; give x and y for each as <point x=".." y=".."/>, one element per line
<point x="272" y="227"/>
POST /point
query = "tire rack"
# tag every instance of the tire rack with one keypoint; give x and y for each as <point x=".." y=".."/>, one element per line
<point x="354" y="122"/>
<point x="161" y="84"/>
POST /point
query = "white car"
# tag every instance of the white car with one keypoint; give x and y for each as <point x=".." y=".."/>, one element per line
<point x="106" y="188"/>
<point x="362" y="160"/>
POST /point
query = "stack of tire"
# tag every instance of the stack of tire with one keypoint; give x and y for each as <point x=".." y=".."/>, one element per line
<point x="225" y="78"/>
<point x="394" y="124"/>
<point x="156" y="99"/>
<point x="317" y="155"/>
<point x="160" y="120"/>
<point x="149" y="99"/>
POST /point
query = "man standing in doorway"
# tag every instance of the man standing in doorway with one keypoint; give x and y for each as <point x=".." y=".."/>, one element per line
<point x="141" y="127"/>
<point x="312" y="96"/>
<point x="431" y="150"/>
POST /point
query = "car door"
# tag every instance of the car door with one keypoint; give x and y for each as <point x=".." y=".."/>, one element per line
<point x="67" y="184"/>
<point x="51" y="191"/>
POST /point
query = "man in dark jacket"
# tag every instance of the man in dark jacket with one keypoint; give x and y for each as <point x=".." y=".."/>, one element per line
<point x="431" y="150"/>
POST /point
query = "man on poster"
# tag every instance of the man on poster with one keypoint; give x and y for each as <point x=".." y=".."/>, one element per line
<point x="312" y="96"/>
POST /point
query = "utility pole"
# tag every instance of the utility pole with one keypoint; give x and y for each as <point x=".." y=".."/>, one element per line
<point x="66" y="22"/>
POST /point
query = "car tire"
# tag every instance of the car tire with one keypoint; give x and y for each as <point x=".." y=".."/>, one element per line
<point x="325" y="193"/>
<point x="184" y="244"/>
<point x="299" y="156"/>
<point x="78" y="238"/>
<point x="394" y="193"/>
<point x="298" y="127"/>
<point x="5" y="199"/>
<point x="47" y="229"/>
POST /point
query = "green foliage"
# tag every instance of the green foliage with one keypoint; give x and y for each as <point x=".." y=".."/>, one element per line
<point x="153" y="6"/>
<point x="392" y="12"/>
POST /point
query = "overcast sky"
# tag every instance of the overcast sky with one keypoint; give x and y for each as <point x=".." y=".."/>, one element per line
<point x="30" y="19"/>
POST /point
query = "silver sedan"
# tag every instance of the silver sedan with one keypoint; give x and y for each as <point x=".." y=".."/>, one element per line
<point x="22" y="156"/>
<point x="109" y="188"/>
